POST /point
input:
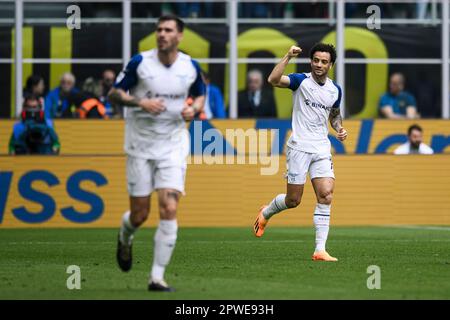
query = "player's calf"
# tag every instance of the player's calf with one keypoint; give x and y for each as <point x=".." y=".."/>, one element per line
<point x="138" y="217"/>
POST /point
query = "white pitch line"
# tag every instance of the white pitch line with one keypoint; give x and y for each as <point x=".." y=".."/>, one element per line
<point x="418" y="227"/>
<point x="228" y="241"/>
<point x="60" y="242"/>
<point x="333" y="240"/>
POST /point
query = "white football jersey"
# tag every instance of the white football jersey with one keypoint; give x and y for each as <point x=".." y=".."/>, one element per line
<point x="312" y="104"/>
<point x="151" y="136"/>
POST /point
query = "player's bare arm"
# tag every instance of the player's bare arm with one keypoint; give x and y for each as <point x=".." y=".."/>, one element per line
<point x="120" y="97"/>
<point x="276" y="77"/>
<point x="336" y="124"/>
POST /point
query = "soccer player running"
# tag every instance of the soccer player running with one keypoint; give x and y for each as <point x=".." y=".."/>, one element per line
<point x="316" y="100"/>
<point x="159" y="82"/>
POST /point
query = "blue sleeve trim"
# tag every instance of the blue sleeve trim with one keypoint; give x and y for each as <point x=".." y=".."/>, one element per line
<point x="198" y="87"/>
<point x="128" y="78"/>
<point x="295" y="80"/>
<point x="337" y="104"/>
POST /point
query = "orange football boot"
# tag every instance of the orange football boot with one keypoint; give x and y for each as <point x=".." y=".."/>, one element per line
<point x="260" y="223"/>
<point x="323" y="256"/>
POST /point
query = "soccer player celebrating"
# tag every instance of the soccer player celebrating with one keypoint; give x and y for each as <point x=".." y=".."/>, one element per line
<point x="158" y="83"/>
<point x="316" y="99"/>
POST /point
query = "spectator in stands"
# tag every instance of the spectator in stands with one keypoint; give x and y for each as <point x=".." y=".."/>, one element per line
<point x="35" y="86"/>
<point x="254" y="101"/>
<point x="32" y="135"/>
<point x="107" y="82"/>
<point x="214" y="106"/>
<point x="398" y="103"/>
<point x="87" y="101"/>
<point x="57" y="101"/>
<point x="414" y="144"/>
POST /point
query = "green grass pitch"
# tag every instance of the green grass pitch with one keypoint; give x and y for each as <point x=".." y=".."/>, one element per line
<point x="230" y="263"/>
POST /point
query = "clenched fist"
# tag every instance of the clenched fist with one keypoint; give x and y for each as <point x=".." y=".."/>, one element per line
<point x="342" y="134"/>
<point x="294" y="52"/>
<point x="188" y="112"/>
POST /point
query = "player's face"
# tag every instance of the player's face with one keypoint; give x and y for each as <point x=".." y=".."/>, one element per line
<point x="321" y="63"/>
<point x="167" y="36"/>
<point x="415" y="138"/>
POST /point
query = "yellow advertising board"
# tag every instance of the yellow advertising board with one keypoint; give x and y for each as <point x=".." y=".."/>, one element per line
<point x="105" y="137"/>
<point x="90" y="191"/>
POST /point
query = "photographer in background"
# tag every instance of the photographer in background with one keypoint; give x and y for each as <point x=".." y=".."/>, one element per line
<point x="32" y="135"/>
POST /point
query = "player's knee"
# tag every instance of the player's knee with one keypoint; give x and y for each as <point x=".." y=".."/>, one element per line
<point x="138" y="217"/>
<point x="168" y="210"/>
<point x="325" y="197"/>
<point x="292" y="202"/>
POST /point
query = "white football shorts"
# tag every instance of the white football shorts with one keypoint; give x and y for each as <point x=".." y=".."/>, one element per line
<point x="300" y="163"/>
<point x="146" y="175"/>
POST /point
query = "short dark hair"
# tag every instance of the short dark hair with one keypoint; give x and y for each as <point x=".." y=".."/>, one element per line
<point x="172" y="17"/>
<point x="323" y="47"/>
<point x="32" y="81"/>
<point x="414" y="127"/>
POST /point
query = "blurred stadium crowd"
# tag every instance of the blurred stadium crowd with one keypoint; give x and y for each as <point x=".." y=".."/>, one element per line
<point x="89" y="99"/>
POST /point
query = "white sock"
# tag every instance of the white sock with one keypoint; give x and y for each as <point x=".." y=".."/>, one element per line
<point x="165" y="238"/>
<point x="277" y="205"/>
<point x="127" y="229"/>
<point x="322" y="224"/>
